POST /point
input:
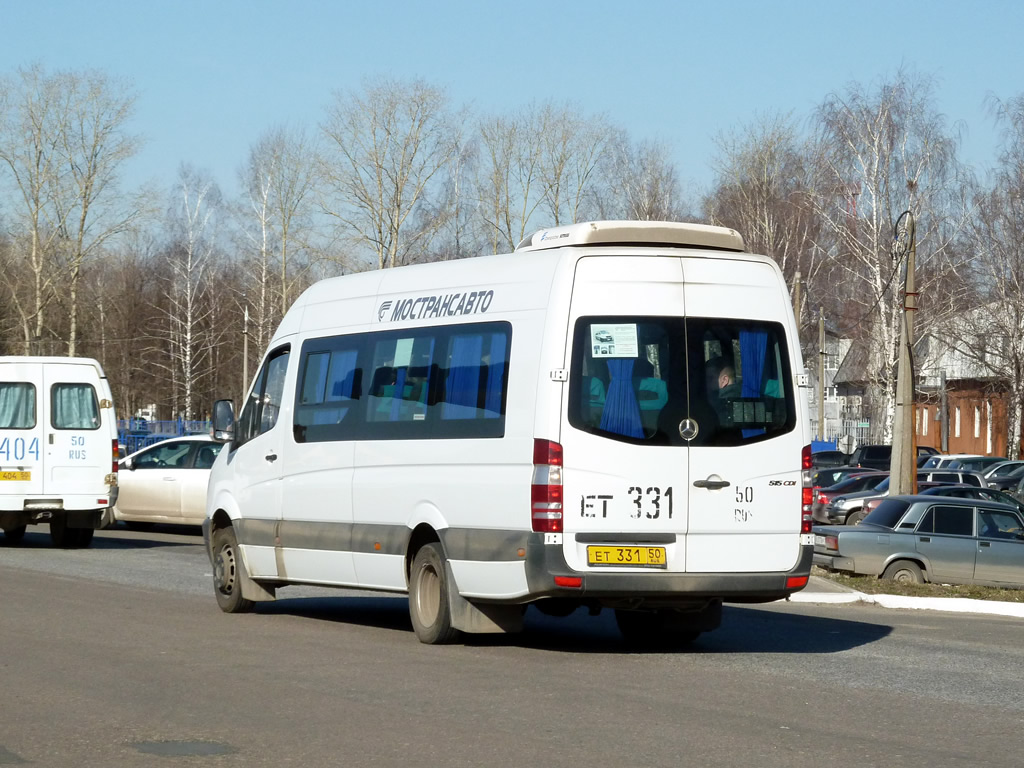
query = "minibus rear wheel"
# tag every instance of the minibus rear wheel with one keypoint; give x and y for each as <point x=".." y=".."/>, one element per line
<point x="428" y="597"/>
<point x="229" y="572"/>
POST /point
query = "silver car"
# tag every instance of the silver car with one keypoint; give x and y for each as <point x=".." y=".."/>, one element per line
<point x="929" y="538"/>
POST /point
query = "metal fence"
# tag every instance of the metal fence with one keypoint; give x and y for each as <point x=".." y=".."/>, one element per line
<point x="135" y="434"/>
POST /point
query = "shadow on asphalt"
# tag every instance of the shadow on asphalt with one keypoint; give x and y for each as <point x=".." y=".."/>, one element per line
<point x="38" y="537"/>
<point x="743" y="629"/>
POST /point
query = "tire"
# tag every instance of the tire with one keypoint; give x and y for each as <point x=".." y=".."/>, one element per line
<point x="653" y="629"/>
<point x="855" y="517"/>
<point x="429" y="609"/>
<point x="15" y="535"/>
<point x="60" y="534"/>
<point x="229" y="572"/>
<point x="904" y="572"/>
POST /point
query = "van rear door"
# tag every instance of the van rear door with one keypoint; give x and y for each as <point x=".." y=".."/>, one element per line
<point x="22" y="399"/>
<point x="624" y="483"/>
<point x="78" y="448"/>
<point x="744" y="495"/>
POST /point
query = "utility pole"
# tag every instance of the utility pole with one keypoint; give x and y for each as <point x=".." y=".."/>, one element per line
<point x="821" y="373"/>
<point x="903" y="468"/>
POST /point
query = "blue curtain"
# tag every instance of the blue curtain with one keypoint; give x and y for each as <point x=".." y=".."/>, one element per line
<point x="343" y="366"/>
<point x="74" y="407"/>
<point x="495" y="376"/>
<point x="463" y="383"/>
<point x="396" y="397"/>
<point x="17" y="406"/>
<point x="753" y="348"/>
<point x="621" y="414"/>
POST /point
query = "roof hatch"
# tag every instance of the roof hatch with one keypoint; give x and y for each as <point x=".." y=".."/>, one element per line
<point x="635" y="233"/>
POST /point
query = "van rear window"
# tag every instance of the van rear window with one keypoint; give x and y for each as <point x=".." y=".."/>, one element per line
<point x="17" y="405"/>
<point x="680" y="381"/>
<point x="75" y="407"/>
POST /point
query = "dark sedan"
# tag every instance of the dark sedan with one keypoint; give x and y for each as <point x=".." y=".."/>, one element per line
<point x="929" y="538"/>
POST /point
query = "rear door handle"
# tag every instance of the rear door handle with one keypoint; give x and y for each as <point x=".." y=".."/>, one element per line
<point x="713" y="485"/>
<point x="985" y="543"/>
<point x="926" y="538"/>
<point x="271" y="457"/>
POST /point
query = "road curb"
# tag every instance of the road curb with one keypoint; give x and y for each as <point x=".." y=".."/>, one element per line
<point x="949" y="604"/>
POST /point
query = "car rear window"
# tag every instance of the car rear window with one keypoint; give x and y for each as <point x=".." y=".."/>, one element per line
<point x="888" y="513"/>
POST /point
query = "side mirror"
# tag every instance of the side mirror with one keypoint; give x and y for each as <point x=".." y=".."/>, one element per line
<point x="127" y="464"/>
<point x="224" y="421"/>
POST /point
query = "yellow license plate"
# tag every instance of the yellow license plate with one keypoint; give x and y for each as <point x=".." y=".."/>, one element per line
<point x="15" y="476"/>
<point x="644" y="557"/>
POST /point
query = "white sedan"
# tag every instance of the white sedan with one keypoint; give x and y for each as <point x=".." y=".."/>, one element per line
<point x="166" y="482"/>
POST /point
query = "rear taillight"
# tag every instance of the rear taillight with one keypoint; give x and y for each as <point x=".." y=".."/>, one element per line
<point x="832" y="542"/>
<point x="807" y="491"/>
<point x="546" y="491"/>
<point x="115" y="457"/>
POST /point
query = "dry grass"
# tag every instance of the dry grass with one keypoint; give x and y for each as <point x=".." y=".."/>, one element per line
<point x="875" y="586"/>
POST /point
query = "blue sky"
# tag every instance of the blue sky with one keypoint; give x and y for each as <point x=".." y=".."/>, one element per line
<point x="213" y="76"/>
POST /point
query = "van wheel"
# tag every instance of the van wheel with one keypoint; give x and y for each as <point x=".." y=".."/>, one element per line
<point x="653" y="629"/>
<point x="15" y="535"/>
<point x="228" y="572"/>
<point x="69" y="538"/>
<point x="904" y="572"/>
<point x="428" y="597"/>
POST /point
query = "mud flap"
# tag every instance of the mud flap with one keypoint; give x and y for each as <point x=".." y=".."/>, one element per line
<point x="480" y="618"/>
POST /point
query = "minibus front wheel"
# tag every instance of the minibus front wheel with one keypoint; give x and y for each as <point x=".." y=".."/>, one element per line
<point x="429" y="608"/>
<point x="229" y="572"/>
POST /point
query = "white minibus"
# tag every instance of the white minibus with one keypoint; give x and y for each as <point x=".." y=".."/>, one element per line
<point x="58" y="448"/>
<point x="609" y="417"/>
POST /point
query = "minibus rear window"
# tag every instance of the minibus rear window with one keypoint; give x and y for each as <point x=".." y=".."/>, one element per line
<point x="650" y="380"/>
<point x="17" y="405"/>
<point x="75" y="407"/>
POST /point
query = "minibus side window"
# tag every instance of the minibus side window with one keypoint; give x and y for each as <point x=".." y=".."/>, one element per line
<point x="261" y="410"/>
<point x="17" y="405"/>
<point x="75" y="407"/>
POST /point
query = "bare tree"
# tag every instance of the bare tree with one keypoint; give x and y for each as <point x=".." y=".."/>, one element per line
<point x="94" y="147"/>
<point x="508" y="177"/>
<point x="390" y="144"/>
<point x="31" y="128"/>
<point x="881" y="152"/>
<point x="279" y="187"/>
<point x="184" y="327"/>
<point x="993" y="334"/>
<point x="573" y="146"/>
<point x="638" y="181"/>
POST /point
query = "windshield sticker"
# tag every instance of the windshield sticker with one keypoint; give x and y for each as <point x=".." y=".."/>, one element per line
<point x="614" y="340"/>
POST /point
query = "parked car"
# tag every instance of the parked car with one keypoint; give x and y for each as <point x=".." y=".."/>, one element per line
<point x="166" y="483"/>
<point x="823" y="500"/>
<point x="829" y="459"/>
<point x="977" y="464"/>
<point x="940" y="460"/>
<point x="929" y="538"/>
<point x="826" y="478"/>
<point x="880" y="456"/>
<point x="1003" y="469"/>
<point x="851" y="508"/>
<point x="1012" y="485"/>
<point x="872" y="456"/>
<point x="971" y="492"/>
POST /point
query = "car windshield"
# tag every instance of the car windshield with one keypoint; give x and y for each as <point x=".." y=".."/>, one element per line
<point x="888" y="513"/>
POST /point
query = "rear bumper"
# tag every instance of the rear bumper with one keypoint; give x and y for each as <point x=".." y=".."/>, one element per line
<point x="834" y="563"/>
<point x="545" y="562"/>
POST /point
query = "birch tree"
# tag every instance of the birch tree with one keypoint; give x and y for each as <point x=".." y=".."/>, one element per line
<point x="185" y="329"/>
<point x="638" y="181"/>
<point x="388" y="147"/>
<point x="279" y="194"/>
<point x="882" y="151"/>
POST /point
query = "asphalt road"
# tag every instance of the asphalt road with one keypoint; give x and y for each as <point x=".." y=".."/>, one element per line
<point x="117" y="656"/>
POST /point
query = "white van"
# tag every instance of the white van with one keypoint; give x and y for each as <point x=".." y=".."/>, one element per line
<point x="608" y="417"/>
<point x="58" y="447"/>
